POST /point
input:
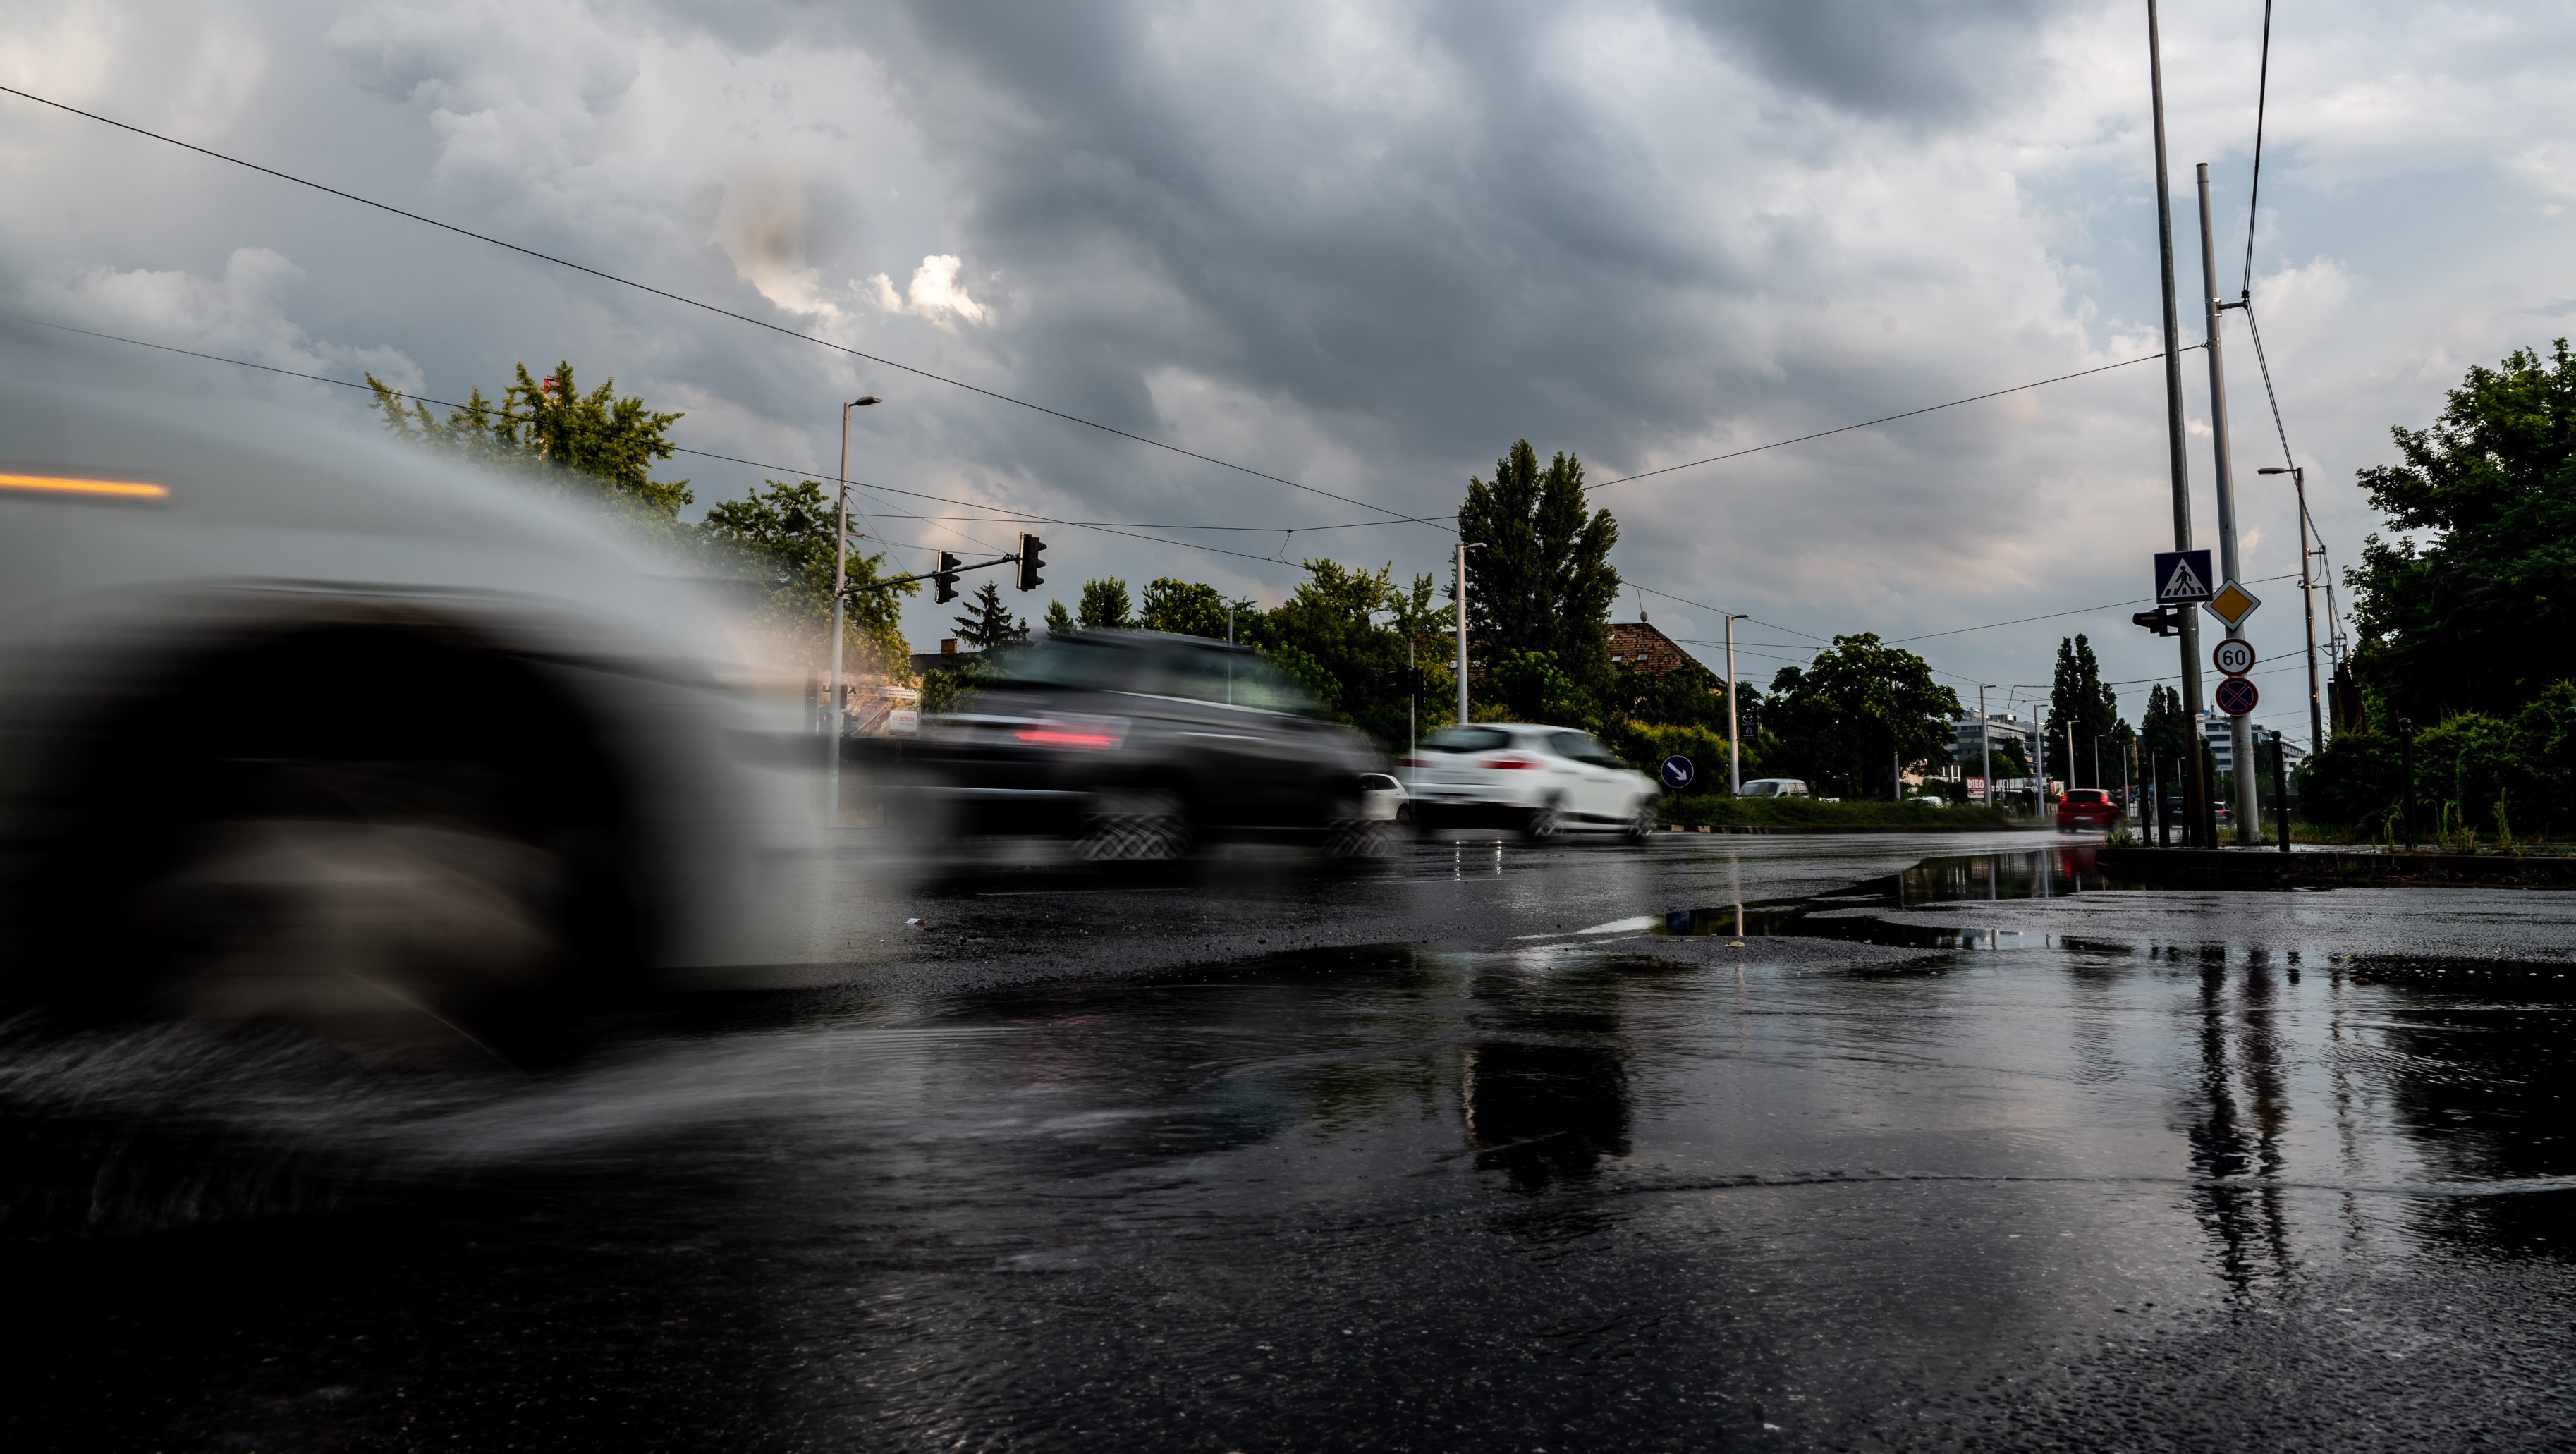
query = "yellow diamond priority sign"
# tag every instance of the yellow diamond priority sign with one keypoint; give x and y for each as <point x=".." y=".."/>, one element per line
<point x="2233" y="604"/>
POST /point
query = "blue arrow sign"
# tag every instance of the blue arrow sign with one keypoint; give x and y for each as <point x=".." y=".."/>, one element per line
<point x="2183" y="575"/>
<point x="1678" y="771"/>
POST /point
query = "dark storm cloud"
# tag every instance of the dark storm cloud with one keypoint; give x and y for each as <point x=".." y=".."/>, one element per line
<point x="1918" y="60"/>
<point x="1479" y="249"/>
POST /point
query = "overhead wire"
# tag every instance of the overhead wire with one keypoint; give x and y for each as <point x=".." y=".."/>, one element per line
<point x="798" y="472"/>
<point x="1883" y="419"/>
<point x="1395" y="516"/>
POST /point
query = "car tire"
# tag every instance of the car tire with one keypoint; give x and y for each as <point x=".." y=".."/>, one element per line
<point x="1352" y="836"/>
<point x="1544" y="823"/>
<point x="1642" y="823"/>
<point x="448" y="882"/>
<point x="1137" y="825"/>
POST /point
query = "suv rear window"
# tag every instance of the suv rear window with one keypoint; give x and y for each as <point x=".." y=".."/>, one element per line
<point x="2087" y="795"/>
<point x="1468" y="739"/>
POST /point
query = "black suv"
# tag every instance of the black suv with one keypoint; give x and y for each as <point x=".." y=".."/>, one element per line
<point x="1139" y="745"/>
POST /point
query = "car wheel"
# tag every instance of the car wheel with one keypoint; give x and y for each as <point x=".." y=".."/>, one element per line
<point x="444" y="881"/>
<point x="1347" y="834"/>
<point x="1642" y="823"/>
<point x="1543" y="823"/>
<point x="1136" y="825"/>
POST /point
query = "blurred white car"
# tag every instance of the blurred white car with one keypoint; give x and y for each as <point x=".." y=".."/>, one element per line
<point x="1383" y="799"/>
<point x="298" y="723"/>
<point x="1541" y="780"/>
<point x="1774" y="787"/>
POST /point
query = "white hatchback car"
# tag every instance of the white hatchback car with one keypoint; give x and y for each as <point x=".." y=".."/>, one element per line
<point x="1541" y="780"/>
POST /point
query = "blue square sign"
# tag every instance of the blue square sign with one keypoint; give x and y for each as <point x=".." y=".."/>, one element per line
<point x="2183" y="576"/>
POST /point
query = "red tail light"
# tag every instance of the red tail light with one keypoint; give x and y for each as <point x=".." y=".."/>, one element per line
<point x="1094" y="734"/>
<point x="1508" y="763"/>
<point x="1417" y="762"/>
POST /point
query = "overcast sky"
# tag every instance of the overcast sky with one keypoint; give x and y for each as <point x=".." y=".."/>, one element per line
<point x="1365" y="248"/>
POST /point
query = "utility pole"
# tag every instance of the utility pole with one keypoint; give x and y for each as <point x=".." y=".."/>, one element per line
<point x="1462" y="630"/>
<point x="1985" y="745"/>
<point x="1734" y="751"/>
<point x="2307" y="599"/>
<point x="2240" y="730"/>
<point x="834" y="708"/>
<point x="2198" y="817"/>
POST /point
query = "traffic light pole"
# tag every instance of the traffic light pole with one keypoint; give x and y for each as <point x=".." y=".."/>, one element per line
<point x="2199" y="820"/>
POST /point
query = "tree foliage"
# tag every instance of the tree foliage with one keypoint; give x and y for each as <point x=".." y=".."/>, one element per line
<point x="1541" y="580"/>
<point x="1103" y="606"/>
<point x="783" y="537"/>
<point x="1188" y="608"/>
<point x="2164" y="731"/>
<point x="1860" y="707"/>
<point x="2078" y="698"/>
<point x="987" y="623"/>
<point x="2482" y="616"/>
<point x="551" y="428"/>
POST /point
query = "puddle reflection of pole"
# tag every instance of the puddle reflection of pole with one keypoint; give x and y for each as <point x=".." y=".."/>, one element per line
<point x="2263" y="1073"/>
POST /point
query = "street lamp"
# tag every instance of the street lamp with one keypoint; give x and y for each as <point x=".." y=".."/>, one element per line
<point x="840" y="582"/>
<point x="2307" y="599"/>
<point x="1986" y="743"/>
<point x="1734" y="738"/>
<point x="1464" y="545"/>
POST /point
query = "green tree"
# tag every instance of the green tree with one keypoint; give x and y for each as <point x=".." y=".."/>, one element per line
<point x="1188" y="608"/>
<point x="988" y="624"/>
<point x="1859" y="707"/>
<point x="2482" y="617"/>
<point x="1103" y="606"/>
<point x="1332" y="620"/>
<point x="1542" y="579"/>
<point x="1057" y="622"/>
<point x="551" y="428"/>
<point x="2164" y="732"/>
<point x="2078" y="697"/>
<point x="782" y="538"/>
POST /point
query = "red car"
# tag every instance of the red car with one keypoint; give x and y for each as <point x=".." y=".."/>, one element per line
<point x="2088" y="809"/>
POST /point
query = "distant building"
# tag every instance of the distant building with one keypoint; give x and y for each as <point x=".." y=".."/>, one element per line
<point x="2222" y="746"/>
<point x="2001" y="727"/>
<point x="1639" y="645"/>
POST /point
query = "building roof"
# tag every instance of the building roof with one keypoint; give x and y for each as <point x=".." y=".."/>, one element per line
<point x="1639" y="643"/>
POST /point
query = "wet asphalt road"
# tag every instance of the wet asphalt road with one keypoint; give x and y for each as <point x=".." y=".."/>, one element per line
<point x="1483" y="1148"/>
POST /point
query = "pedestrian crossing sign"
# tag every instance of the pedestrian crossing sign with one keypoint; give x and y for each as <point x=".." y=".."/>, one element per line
<point x="2183" y="576"/>
<point x="2233" y="604"/>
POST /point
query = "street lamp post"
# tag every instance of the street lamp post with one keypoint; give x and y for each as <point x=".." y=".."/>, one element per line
<point x="2307" y="599"/>
<point x="834" y="707"/>
<point x="1985" y="745"/>
<point x="1734" y="752"/>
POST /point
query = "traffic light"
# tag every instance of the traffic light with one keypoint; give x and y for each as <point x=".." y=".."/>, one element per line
<point x="2164" y="620"/>
<point x="1032" y="555"/>
<point x="945" y="578"/>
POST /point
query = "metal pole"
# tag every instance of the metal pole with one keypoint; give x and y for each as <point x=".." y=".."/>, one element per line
<point x="1985" y="744"/>
<point x="2240" y="729"/>
<point x="2281" y="787"/>
<point x="1734" y="751"/>
<point x="2198" y="816"/>
<point x="2308" y="601"/>
<point x="2156" y="786"/>
<point x="840" y="583"/>
<point x="2406" y="769"/>
<point x="1462" y="631"/>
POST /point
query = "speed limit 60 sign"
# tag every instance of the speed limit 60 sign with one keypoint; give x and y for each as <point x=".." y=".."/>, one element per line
<point x="2234" y="657"/>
